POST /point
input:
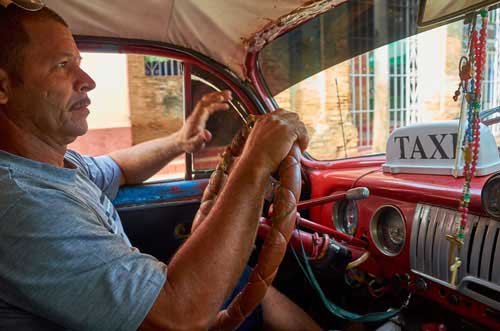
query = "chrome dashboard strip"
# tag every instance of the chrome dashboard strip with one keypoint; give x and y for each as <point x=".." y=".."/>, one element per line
<point x="424" y="220"/>
<point x="429" y="242"/>
<point x="486" y="258"/>
<point x="480" y="254"/>
<point x="414" y="235"/>
<point x="442" y="245"/>
<point x="477" y="244"/>
<point x="495" y="272"/>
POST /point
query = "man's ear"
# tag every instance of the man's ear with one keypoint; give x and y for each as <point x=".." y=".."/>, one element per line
<point x="4" y="87"/>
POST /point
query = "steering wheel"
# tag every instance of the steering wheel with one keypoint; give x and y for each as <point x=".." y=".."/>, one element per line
<point x="283" y="223"/>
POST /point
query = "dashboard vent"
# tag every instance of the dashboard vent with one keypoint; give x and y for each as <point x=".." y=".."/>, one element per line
<point x="429" y="247"/>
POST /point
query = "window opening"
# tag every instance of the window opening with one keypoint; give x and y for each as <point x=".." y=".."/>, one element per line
<point x="491" y="81"/>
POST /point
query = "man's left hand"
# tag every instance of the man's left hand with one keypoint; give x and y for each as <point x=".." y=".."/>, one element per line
<point x="193" y="135"/>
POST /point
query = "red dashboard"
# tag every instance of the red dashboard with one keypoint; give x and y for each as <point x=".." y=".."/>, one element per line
<point x="416" y="253"/>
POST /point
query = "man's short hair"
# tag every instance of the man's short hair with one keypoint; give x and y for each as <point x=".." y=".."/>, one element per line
<point x="14" y="37"/>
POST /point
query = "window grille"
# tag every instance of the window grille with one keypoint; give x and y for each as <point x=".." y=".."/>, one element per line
<point x="363" y="98"/>
<point x="403" y="108"/>
<point x="163" y="67"/>
<point x="403" y="98"/>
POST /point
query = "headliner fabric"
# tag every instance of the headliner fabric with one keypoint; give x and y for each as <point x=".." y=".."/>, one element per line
<point x="218" y="29"/>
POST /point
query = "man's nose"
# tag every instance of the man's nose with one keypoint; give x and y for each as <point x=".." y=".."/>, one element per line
<point x="84" y="83"/>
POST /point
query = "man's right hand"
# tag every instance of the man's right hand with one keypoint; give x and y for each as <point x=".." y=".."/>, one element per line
<point x="208" y="265"/>
<point x="272" y="137"/>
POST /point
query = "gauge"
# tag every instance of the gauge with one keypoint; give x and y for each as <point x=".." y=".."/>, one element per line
<point x="388" y="230"/>
<point x="490" y="196"/>
<point x="345" y="216"/>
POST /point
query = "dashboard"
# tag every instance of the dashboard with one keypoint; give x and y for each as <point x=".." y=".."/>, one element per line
<point x="405" y="222"/>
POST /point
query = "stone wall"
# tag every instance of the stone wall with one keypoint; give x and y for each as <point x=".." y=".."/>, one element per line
<point x="156" y="109"/>
<point x="156" y="103"/>
<point x="439" y="53"/>
<point x="319" y="106"/>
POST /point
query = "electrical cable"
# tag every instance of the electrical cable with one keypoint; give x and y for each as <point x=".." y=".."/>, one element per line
<point x="333" y="308"/>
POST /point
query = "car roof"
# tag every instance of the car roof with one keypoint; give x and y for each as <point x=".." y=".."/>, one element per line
<point x="224" y="30"/>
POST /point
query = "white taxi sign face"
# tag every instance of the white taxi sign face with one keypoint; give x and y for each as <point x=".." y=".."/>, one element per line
<point x="431" y="148"/>
<point x="435" y="146"/>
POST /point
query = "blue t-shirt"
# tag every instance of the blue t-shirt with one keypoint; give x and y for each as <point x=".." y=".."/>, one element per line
<point x="65" y="262"/>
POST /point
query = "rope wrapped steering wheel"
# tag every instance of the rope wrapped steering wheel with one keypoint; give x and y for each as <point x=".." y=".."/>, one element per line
<point x="283" y="223"/>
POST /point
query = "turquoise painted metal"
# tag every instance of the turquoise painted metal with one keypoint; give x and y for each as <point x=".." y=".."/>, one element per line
<point x="161" y="192"/>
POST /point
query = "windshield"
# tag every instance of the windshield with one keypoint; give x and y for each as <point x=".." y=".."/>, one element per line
<point x="360" y="71"/>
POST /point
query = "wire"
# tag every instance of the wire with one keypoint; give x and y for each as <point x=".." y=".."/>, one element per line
<point x="358" y="262"/>
<point x="341" y="118"/>
<point x="333" y="308"/>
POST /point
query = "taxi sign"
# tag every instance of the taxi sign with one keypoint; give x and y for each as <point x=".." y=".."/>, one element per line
<point x="431" y="148"/>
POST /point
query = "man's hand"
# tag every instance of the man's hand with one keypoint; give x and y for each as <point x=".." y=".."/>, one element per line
<point x="199" y="279"/>
<point x="193" y="136"/>
<point x="272" y="137"/>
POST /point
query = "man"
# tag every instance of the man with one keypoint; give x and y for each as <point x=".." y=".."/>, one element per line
<point x="65" y="261"/>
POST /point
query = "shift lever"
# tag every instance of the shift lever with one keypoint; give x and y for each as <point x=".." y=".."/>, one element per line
<point x="356" y="193"/>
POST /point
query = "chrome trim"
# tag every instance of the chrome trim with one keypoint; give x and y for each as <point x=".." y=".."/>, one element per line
<point x="434" y="279"/>
<point x="484" y="200"/>
<point x="337" y="222"/>
<point x="152" y="205"/>
<point x="462" y="287"/>
<point x="374" y="234"/>
<point x="480" y="254"/>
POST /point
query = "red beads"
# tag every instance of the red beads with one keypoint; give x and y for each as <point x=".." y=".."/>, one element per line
<point x="472" y="143"/>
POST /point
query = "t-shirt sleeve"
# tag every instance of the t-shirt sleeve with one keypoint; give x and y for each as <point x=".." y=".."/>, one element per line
<point x="102" y="170"/>
<point x="105" y="173"/>
<point x="60" y="263"/>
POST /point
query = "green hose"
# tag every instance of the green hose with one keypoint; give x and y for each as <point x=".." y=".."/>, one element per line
<point x="333" y="308"/>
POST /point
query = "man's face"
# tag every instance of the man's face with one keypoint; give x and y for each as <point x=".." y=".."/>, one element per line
<point x="51" y="102"/>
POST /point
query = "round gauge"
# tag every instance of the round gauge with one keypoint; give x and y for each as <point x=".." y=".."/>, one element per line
<point x="490" y="197"/>
<point x="345" y="216"/>
<point x="388" y="230"/>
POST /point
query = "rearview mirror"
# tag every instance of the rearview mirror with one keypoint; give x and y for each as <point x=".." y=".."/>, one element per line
<point x="435" y="12"/>
<point x="31" y="5"/>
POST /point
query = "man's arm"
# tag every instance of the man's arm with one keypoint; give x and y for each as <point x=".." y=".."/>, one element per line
<point x="208" y="265"/>
<point x="142" y="161"/>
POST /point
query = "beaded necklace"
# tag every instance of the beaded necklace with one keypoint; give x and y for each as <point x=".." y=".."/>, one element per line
<point x="470" y="72"/>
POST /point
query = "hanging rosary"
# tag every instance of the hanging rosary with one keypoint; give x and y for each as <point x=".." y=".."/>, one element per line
<point x="471" y="76"/>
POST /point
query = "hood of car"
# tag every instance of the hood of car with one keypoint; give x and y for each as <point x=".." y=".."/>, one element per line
<point x="224" y="30"/>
